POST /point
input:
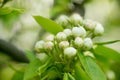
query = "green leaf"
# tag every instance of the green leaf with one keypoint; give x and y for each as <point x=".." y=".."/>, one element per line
<point x="48" y="24"/>
<point x="31" y="69"/>
<point x="80" y="74"/>
<point x="44" y="67"/>
<point x="108" y="42"/>
<point x="4" y="11"/>
<point x="107" y="53"/>
<point x="65" y="77"/>
<point x="8" y="10"/>
<point x="30" y="55"/>
<point x="71" y="77"/>
<point x="91" y="68"/>
<point x="18" y="76"/>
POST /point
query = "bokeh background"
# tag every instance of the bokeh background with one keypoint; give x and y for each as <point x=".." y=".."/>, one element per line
<point x="21" y="29"/>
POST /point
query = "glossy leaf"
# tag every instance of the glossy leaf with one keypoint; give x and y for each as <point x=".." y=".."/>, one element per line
<point x="107" y="53"/>
<point x="48" y="24"/>
<point x="32" y="69"/>
<point x="80" y="74"/>
<point x="18" y="76"/>
<point x="91" y="68"/>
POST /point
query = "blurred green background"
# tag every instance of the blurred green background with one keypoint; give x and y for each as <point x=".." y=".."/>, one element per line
<point x="21" y="29"/>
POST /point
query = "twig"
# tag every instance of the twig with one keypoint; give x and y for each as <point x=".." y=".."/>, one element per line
<point x="12" y="51"/>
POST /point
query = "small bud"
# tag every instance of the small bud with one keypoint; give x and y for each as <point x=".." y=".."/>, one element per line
<point x="111" y="75"/>
<point x="99" y="30"/>
<point x="78" y="31"/>
<point x="78" y="42"/>
<point x="76" y="19"/>
<point x="88" y="53"/>
<point x="68" y="32"/>
<point x="87" y="43"/>
<point x="42" y="56"/>
<point x="39" y="44"/>
<point x="63" y="44"/>
<point x="62" y="20"/>
<point x="70" y="52"/>
<point x="50" y="37"/>
<point x="48" y="45"/>
<point x="61" y="36"/>
<point x="89" y="24"/>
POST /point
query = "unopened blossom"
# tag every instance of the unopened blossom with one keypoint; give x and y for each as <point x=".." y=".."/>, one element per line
<point x="61" y="36"/>
<point x="68" y="32"/>
<point x="62" y="20"/>
<point x="78" y="31"/>
<point x="99" y="30"/>
<point x="76" y="19"/>
<point x="87" y="44"/>
<point x="78" y="42"/>
<point x="89" y="24"/>
<point x="48" y="45"/>
<point x="39" y="44"/>
<point x="70" y="52"/>
<point x="49" y="37"/>
<point x="63" y="44"/>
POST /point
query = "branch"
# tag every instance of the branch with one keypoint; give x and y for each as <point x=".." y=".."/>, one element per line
<point x="12" y="51"/>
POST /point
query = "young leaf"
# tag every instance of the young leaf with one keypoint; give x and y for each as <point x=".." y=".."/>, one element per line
<point x="107" y="53"/>
<point x="65" y="77"/>
<point x="80" y="74"/>
<point x="18" y="76"/>
<point x="108" y="42"/>
<point x="91" y="68"/>
<point x="31" y="69"/>
<point x="48" y="24"/>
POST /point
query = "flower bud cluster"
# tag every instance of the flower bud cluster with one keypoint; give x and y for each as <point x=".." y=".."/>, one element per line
<point x="78" y="37"/>
<point x="76" y="20"/>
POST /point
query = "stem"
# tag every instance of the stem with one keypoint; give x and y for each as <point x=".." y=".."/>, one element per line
<point x="12" y="51"/>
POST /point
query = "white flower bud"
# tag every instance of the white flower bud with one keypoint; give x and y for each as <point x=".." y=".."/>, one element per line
<point x="48" y="45"/>
<point x="63" y="44"/>
<point x="76" y="19"/>
<point x="78" y="42"/>
<point x="87" y="44"/>
<point x="78" y="31"/>
<point x="89" y="24"/>
<point x="99" y="30"/>
<point x="50" y="37"/>
<point x="39" y="44"/>
<point x="42" y="56"/>
<point x="61" y="36"/>
<point x="62" y="20"/>
<point x="68" y="32"/>
<point x="70" y="52"/>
